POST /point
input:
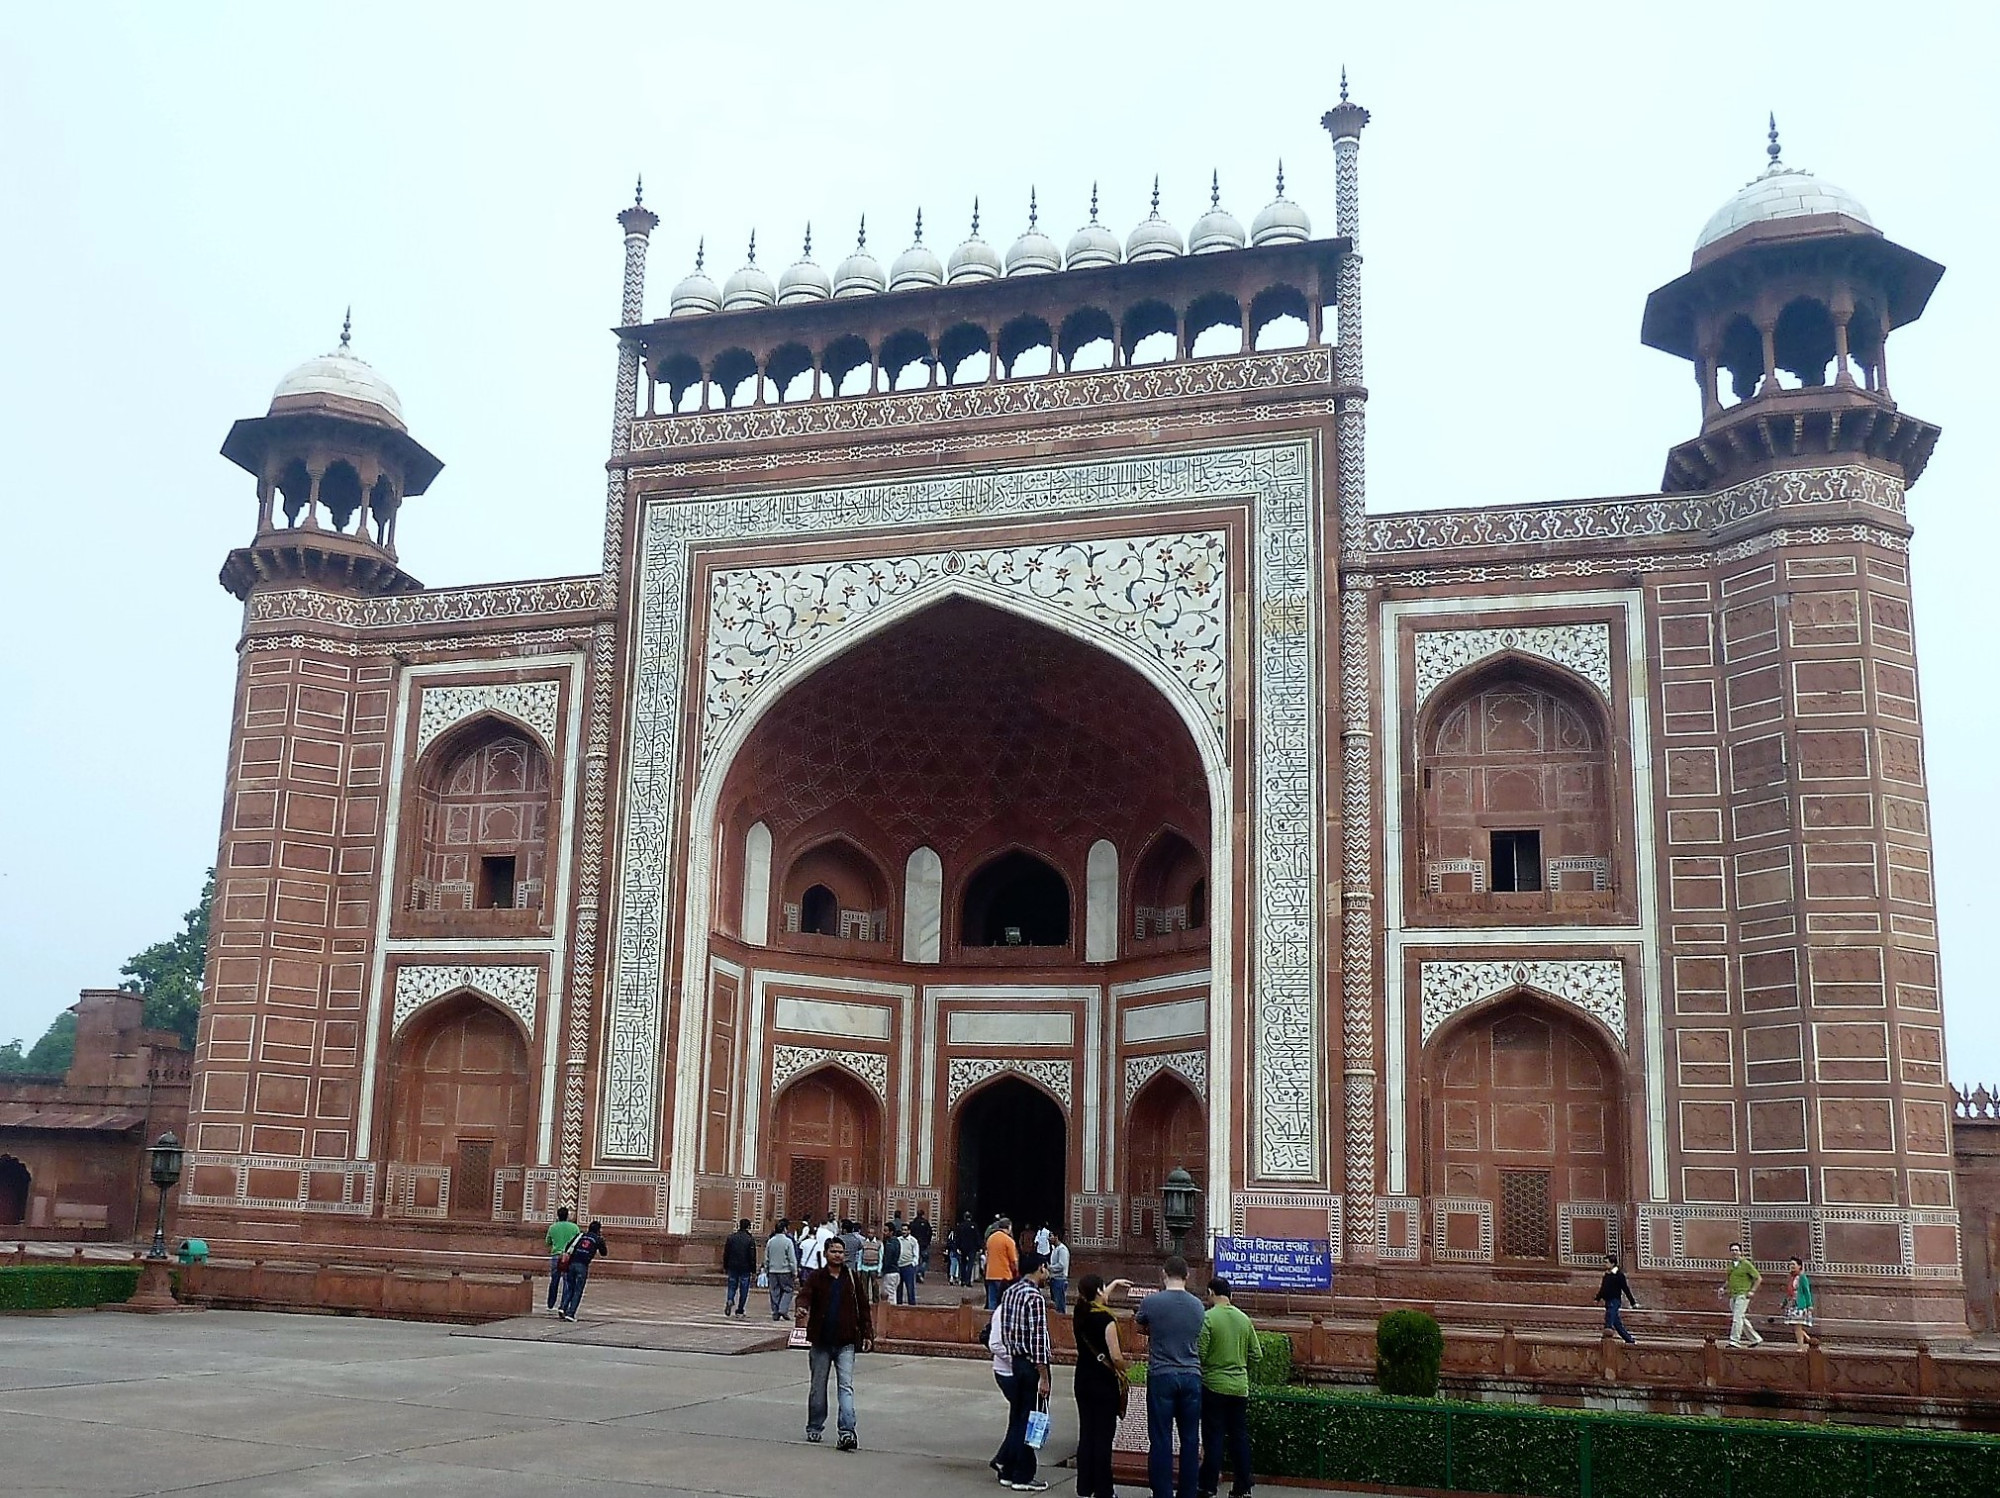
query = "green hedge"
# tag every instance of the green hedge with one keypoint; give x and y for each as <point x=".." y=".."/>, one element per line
<point x="1271" y="1361"/>
<point x="1550" y="1453"/>
<point x="48" y="1287"/>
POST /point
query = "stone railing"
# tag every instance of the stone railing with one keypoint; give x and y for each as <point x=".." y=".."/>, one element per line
<point x="1980" y="1103"/>
<point x="396" y="1290"/>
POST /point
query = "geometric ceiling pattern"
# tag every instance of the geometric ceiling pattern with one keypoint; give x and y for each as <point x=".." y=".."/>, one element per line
<point x="962" y="719"/>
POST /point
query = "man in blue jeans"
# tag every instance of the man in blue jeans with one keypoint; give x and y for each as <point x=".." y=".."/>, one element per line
<point x="839" y="1323"/>
<point x="739" y="1262"/>
<point x="1171" y="1319"/>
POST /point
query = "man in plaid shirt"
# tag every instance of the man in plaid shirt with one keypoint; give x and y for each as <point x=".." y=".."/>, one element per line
<point x="1024" y="1328"/>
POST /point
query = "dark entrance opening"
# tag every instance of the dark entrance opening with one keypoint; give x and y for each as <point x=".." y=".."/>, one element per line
<point x="13" y="1192"/>
<point x="1016" y="901"/>
<point x="1013" y="1147"/>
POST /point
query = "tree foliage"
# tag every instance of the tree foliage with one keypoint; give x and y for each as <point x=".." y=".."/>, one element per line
<point x="169" y="972"/>
<point x="48" y="1057"/>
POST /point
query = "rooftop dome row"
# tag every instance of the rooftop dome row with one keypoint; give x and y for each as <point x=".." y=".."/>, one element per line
<point x="1033" y="254"/>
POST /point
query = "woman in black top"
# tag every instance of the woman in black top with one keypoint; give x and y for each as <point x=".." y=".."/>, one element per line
<point x="1100" y="1393"/>
<point x="1613" y="1290"/>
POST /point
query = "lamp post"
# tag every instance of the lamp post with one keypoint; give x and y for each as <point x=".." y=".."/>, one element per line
<point x="1178" y="1198"/>
<point x="156" y="1276"/>
<point x="167" y="1154"/>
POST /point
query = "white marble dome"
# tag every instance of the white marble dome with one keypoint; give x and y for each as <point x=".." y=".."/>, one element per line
<point x="1093" y="244"/>
<point x="338" y="376"/>
<point x="750" y="286"/>
<point x="917" y="266"/>
<point x="974" y="259"/>
<point x="1782" y="192"/>
<point x="1281" y="221"/>
<point x="860" y="274"/>
<point x="804" y="280"/>
<point x="1217" y="229"/>
<point x="1034" y="253"/>
<point x="697" y="291"/>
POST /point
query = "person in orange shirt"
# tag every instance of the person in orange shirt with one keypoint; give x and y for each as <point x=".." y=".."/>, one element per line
<point x="1003" y="1262"/>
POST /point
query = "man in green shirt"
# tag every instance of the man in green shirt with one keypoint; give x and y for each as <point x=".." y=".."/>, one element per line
<point x="1226" y="1343"/>
<point x="562" y="1233"/>
<point x="1739" y="1285"/>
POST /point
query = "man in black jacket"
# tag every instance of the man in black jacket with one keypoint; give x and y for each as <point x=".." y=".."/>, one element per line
<point x="739" y="1262"/>
<point x="1614" y="1289"/>
<point x="965" y="1241"/>
<point x="839" y="1323"/>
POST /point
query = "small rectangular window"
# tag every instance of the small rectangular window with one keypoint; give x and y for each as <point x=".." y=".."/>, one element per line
<point x="1517" y="862"/>
<point x="496" y="883"/>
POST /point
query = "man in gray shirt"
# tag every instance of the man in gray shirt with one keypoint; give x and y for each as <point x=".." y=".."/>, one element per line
<point x="781" y="1269"/>
<point x="1171" y="1319"/>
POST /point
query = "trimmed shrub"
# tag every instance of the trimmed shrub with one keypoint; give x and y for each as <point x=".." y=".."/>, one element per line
<point x="1459" y="1446"/>
<point x="1409" y="1351"/>
<point x="1271" y="1361"/>
<point x="49" y="1287"/>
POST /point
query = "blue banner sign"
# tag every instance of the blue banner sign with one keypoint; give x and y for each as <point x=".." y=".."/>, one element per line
<point x="1275" y="1263"/>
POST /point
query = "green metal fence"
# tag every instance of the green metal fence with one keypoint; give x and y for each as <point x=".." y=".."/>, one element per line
<point x="1558" y="1453"/>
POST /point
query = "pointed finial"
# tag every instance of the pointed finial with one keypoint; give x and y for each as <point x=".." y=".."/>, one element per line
<point x="1771" y="150"/>
<point x="861" y="239"/>
<point x="1034" y="209"/>
<point x="346" y="326"/>
<point x="1343" y="83"/>
<point x="1093" y="202"/>
<point x="753" y="246"/>
<point x="1215" y="189"/>
<point x="975" y="218"/>
<point x="809" y="243"/>
<point x="700" y="251"/>
<point x="1281" y="177"/>
<point x="920" y="226"/>
<point x="639" y="191"/>
<point x="1156" y="195"/>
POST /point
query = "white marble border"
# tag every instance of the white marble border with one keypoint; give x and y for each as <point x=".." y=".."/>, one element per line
<point x="409" y="679"/>
<point x="1630" y="603"/>
<point x="1281" y="479"/>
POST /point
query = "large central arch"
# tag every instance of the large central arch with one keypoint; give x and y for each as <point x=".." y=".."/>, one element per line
<point x="1189" y="705"/>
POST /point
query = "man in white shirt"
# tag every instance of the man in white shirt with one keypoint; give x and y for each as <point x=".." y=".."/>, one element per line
<point x="1058" y="1272"/>
<point x="1042" y="1238"/>
<point x="812" y="1248"/>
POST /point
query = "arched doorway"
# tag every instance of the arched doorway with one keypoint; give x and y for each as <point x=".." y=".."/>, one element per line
<point x="1167" y="1126"/>
<point x="826" y="1145"/>
<point x="1012" y="1154"/>
<point x="1017" y="900"/>
<point x="462" y="1088"/>
<point x="1527" y="1116"/>
<point x="14" y="1183"/>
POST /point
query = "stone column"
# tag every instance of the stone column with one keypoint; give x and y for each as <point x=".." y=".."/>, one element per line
<point x="1345" y="122"/>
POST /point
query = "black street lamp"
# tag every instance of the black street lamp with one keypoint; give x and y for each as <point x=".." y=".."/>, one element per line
<point x="167" y="1155"/>
<point x="1178" y="1198"/>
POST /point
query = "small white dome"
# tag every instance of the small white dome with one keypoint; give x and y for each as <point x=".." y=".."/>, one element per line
<point x="1034" y="253"/>
<point x="1154" y="238"/>
<point x="696" y="291"/>
<point x="1282" y="221"/>
<point x="860" y="274"/>
<point x="803" y="280"/>
<point x="339" y="377"/>
<point x="975" y="259"/>
<point x="916" y="266"/>
<point x="749" y="287"/>
<point x="1782" y="192"/>
<point x="1216" y="229"/>
<point x="1093" y="244"/>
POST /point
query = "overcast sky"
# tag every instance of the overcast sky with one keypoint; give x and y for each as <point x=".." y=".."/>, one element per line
<point x="190" y="195"/>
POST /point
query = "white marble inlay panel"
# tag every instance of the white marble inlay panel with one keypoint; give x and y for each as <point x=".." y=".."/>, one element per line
<point x="1165" y="1021"/>
<point x="1010" y="1027"/>
<point x="512" y="985"/>
<point x="1584" y="649"/>
<point x="1163" y="594"/>
<point x="1191" y="1065"/>
<point x="531" y="702"/>
<point x="1597" y="988"/>
<point x="830" y="1017"/>
<point x="788" y="1061"/>
<point x="923" y="906"/>
<point x="968" y="1072"/>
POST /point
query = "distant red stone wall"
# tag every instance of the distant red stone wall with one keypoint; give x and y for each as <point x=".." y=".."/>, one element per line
<point x="1977" y="1145"/>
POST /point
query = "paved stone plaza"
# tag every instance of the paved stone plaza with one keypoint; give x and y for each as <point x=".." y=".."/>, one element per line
<point x="240" y="1402"/>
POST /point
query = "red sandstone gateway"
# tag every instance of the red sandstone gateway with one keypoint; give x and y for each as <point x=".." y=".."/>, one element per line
<point x="1000" y="759"/>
